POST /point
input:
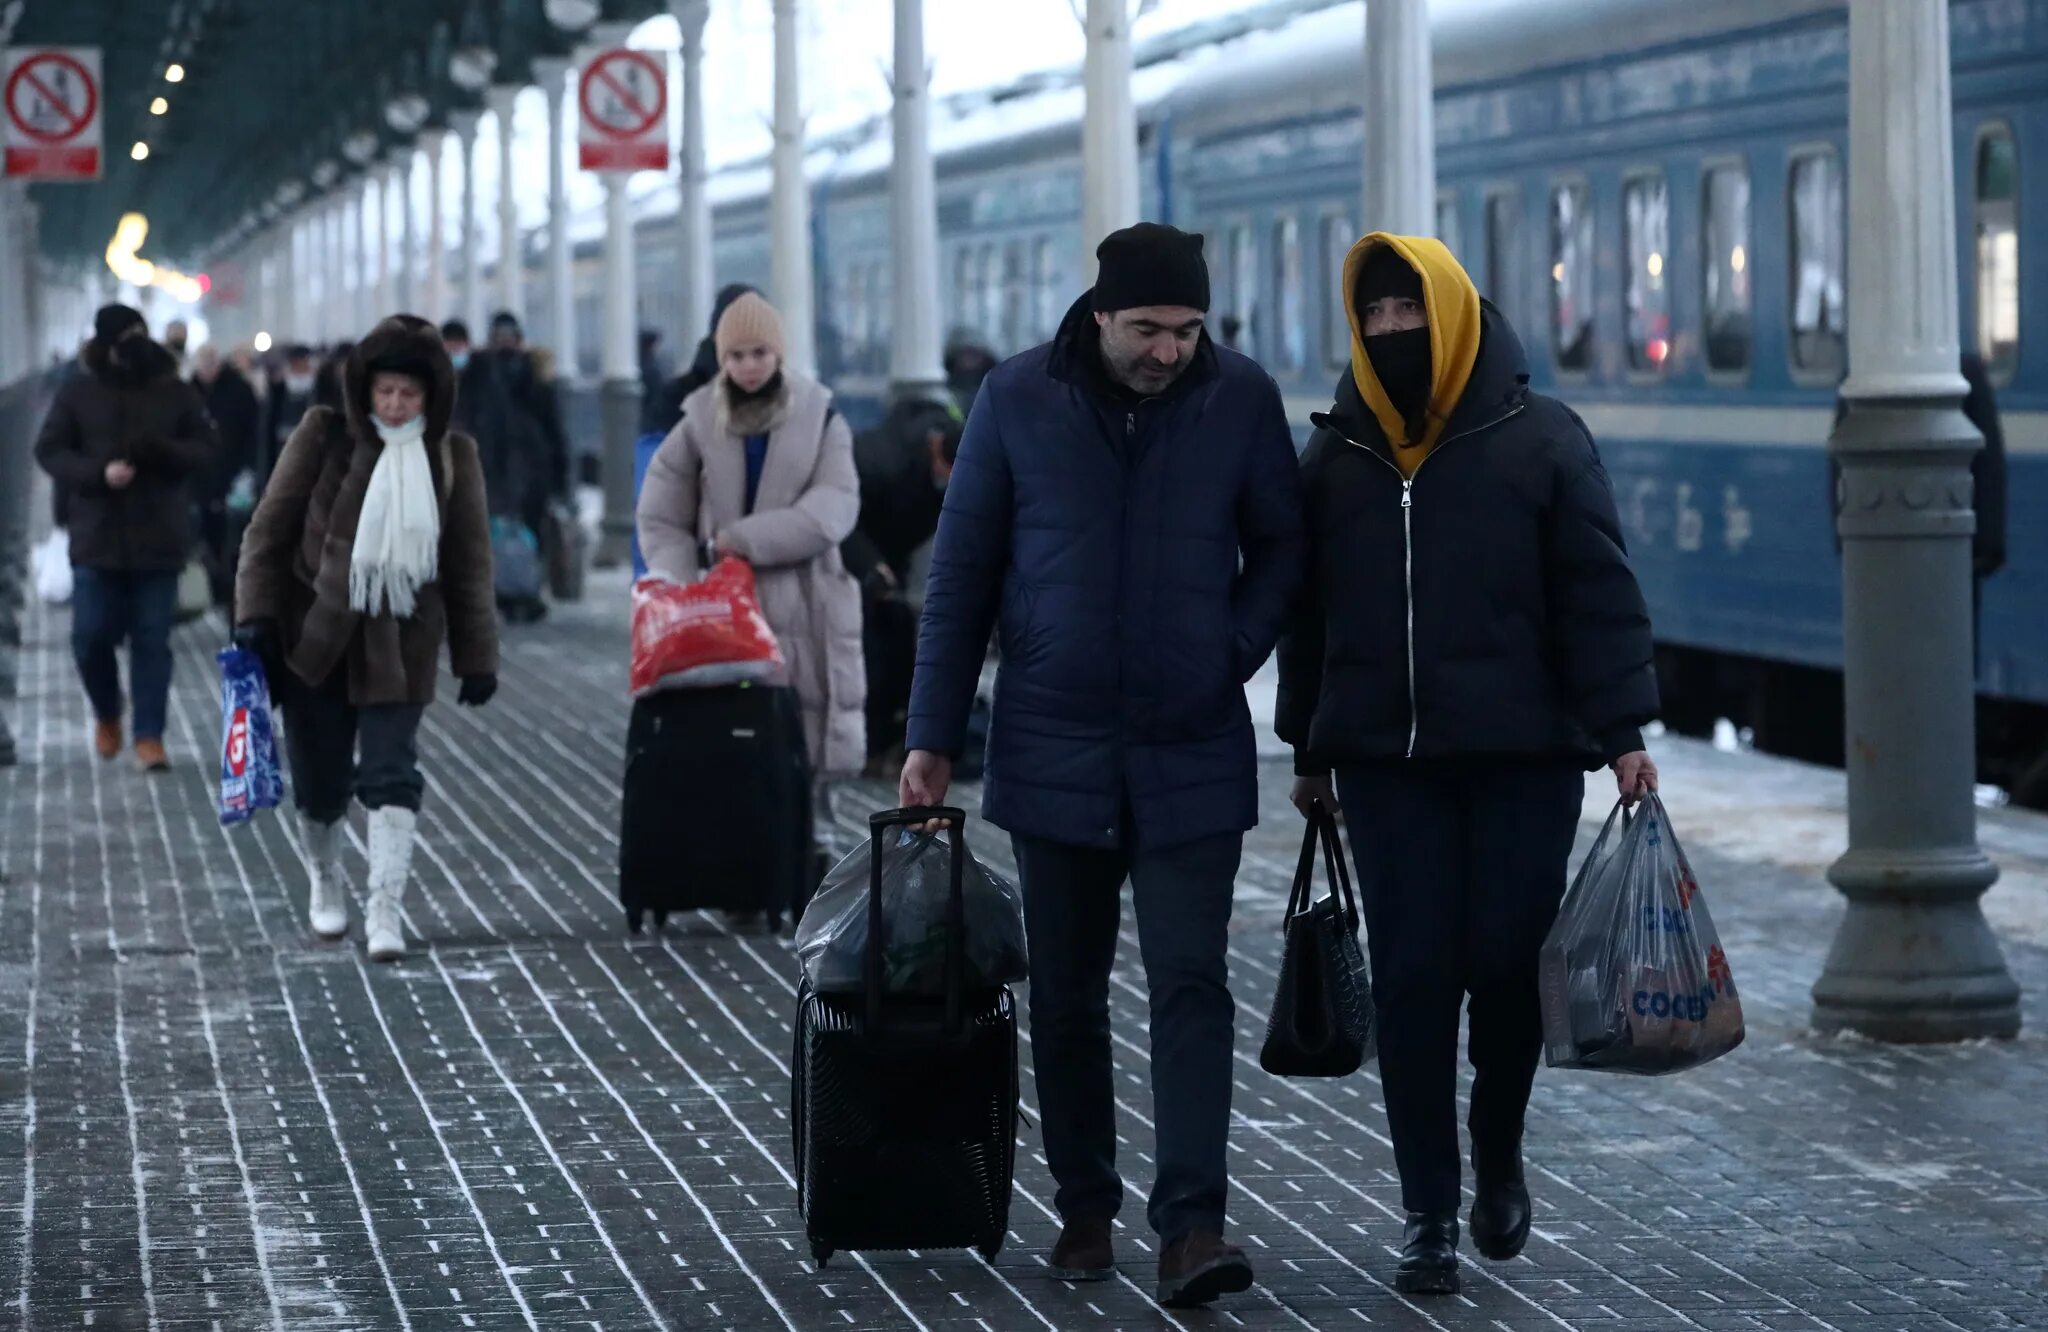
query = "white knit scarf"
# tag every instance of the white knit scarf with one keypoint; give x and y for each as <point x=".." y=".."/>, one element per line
<point x="398" y="536"/>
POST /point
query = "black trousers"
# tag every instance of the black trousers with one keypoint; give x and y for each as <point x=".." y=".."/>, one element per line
<point x="1073" y="905"/>
<point x="322" y="733"/>
<point x="1461" y="868"/>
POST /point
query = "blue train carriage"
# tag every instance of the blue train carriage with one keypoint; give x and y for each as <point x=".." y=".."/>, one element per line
<point x="1654" y="193"/>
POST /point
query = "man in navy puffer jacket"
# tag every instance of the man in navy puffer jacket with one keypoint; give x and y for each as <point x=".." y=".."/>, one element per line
<point x="1126" y="508"/>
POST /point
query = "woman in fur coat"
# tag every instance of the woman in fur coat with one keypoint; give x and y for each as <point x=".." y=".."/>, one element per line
<point x="371" y="547"/>
<point x="761" y="466"/>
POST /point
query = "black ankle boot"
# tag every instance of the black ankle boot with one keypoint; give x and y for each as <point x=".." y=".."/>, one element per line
<point x="1429" y="1256"/>
<point x="1500" y="1218"/>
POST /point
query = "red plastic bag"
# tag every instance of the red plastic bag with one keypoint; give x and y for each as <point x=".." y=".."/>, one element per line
<point x="697" y="635"/>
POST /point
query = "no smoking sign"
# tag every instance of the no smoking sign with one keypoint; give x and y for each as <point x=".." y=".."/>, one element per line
<point x="622" y="98"/>
<point x="50" y="96"/>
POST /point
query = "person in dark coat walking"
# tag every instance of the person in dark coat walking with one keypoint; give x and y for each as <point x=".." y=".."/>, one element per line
<point x="290" y="398"/>
<point x="370" y="551"/>
<point x="129" y="443"/>
<point x="1469" y="642"/>
<point x="1127" y="508"/>
<point x="510" y="405"/>
<point x="660" y="411"/>
<point x="231" y="402"/>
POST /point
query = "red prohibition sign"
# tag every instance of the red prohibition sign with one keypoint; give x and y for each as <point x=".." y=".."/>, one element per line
<point x="600" y="70"/>
<point x="80" y="117"/>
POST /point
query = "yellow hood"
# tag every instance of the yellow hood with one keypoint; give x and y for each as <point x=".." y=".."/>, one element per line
<point x="1453" y="305"/>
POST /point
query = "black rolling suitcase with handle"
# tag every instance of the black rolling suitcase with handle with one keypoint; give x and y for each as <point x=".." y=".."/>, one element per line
<point x="716" y="808"/>
<point x="904" y="1110"/>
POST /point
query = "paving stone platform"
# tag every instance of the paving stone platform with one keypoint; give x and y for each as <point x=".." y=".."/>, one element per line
<point x="537" y="1122"/>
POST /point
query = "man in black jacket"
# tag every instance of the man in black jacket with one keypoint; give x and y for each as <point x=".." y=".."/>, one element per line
<point x="1471" y="641"/>
<point x="231" y="401"/>
<point x="128" y="442"/>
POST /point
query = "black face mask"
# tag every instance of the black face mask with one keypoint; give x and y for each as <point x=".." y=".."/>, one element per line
<point x="1401" y="360"/>
<point x="739" y="397"/>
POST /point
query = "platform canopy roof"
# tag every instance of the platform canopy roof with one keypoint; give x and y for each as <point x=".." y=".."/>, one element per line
<point x="268" y="102"/>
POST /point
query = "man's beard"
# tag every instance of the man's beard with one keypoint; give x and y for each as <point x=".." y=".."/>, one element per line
<point x="1138" y="372"/>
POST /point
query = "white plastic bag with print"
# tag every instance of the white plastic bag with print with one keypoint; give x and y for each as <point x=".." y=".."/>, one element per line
<point x="1633" y="977"/>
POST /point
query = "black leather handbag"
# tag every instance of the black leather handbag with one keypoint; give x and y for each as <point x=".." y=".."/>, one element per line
<point x="1322" y="1024"/>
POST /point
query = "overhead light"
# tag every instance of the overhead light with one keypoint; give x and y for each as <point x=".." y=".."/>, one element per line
<point x="572" y="15"/>
<point x="159" y="106"/>
<point x="407" y="112"/>
<point x="360" y="147"/>
<point x="175" y="74"/>
<point x="261" y="342"/>
<point x="325" y="173"/>
<point x="140" y="151"/>
<point x="472" y="66"/>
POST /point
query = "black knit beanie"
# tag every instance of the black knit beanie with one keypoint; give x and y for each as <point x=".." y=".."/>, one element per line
<point x="1150" y="264"/>
<point x="112" y="321"/>
<point x="1385" y="273"/>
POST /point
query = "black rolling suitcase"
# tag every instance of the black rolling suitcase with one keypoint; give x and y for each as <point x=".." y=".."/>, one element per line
<point x="904" y="1110"/>
<point x="717" y="806"/>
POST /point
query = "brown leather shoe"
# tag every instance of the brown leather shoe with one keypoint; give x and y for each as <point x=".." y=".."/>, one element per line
<point x="1198" y="1267"/>
<point x="150" y="754"/>
<point x="106" y="738"/>
<point x="1083" y="1252"/>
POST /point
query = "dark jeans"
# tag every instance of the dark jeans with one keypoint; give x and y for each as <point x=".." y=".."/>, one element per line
<point x="322" y="731"/>
<point x="109" y="607"/>
<point x="1460" y="872"/>
<point x="1072" y="906"/>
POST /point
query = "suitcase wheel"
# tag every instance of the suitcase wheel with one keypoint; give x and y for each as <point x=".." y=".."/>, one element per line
<point x="661" y="921"/>
<point x="635" y="918"/>
<point x="990" y="1248"/>
<point x="821" y="1253"/>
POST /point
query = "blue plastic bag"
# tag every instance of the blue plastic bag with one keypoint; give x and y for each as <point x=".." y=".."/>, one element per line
<point x="250" y="776"/>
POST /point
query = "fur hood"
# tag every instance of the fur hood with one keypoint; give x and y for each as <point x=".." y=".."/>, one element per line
<point x="410" y="344"/>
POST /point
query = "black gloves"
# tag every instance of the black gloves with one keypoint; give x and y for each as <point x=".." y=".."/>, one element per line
<point x="260" y="638"/>
<point x="477" y="690"/>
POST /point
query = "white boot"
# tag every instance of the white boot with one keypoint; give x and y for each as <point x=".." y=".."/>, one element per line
<point x="391" y="831"/>
<point x="327" y="906"/>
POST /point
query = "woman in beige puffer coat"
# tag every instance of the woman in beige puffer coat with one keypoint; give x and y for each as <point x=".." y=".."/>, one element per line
<point x="761" y="467"/>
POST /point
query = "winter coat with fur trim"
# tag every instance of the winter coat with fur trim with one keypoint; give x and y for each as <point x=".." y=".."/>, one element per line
<point x="141" y="414"/>
<point x="295" y="555"/>
<point x="809" y="500"/>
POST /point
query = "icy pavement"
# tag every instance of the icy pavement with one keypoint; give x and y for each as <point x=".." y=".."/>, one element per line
<point x="534" y="1123"/>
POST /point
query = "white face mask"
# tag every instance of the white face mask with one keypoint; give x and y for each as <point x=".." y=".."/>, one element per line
<point x="298" y="383"/>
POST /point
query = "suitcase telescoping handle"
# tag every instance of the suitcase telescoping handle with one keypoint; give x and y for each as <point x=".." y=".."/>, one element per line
<point x="879" y="826"/>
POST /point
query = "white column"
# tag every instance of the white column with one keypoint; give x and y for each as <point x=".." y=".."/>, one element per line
<point x="503" y="99"/>
<point x="472" y="306"/>
<point x="1109" y="129"/>
<point x="377" y="188"/>
<point x="621" y="392"/>
<point x="285" y="268"/>
<point x="365" y="303"/>
<point x="338" y="317"/>
<point x="405" y="278"/>
<point x="13" y="266"/>
<point x="435" y="302"/>
<point x="1400" y="123"/>
<point x="915" y="368"/>
<point x="695" y="209"/>
<point x="557" y="83"/>
<point x="790" y="204"/>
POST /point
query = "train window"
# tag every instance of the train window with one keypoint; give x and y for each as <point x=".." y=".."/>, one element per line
<point x="1818" y="299"/>
<point x="1504" y="254"/>
<point x="1337" y="241"/>
<point x="1998" y="252"/>
<point x="1240" y="326"/>
<point x="1045" y="281"/>
<point x="992" y="299"/>
<point x="967" y="290"/>
<point x="1447" y="221"/>
<point x="1290" y="296"/>
<point x="1016" y="300"/>
<point x="1646" y="230"/>
<point x="1724" y="266"/>
<point x="1571" y="274"/>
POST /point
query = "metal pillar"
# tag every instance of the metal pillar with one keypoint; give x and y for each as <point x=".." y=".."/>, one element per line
<point x="377" y="187"/>
<point x="405" y="287"/>
<point x="621" y="394"/>
<point x="1914" y="959"/>
<point x="472" y="307"/>
<point x="694" y="212"/>
<point x="337" y="272"/>
<point x="365" y="302"/>
<point x="916" y="370"/>
<point x="790" y="204"/>
<point x="1400" y="124"/>
<point x="558" y="82"/>
<point x="503" y="100"/>
<point x="435" y="302"/>
<point x="13" y="266"/>
<point x="1109" y="129"/>
<point x="285" y="269"/>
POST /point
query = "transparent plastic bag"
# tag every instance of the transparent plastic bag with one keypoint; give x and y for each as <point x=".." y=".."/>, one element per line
<point x="916" y="888"/>
<point x="1633" y="976"/>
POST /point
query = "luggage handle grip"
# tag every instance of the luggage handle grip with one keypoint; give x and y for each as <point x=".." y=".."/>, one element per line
<point x="956" y="907"/>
